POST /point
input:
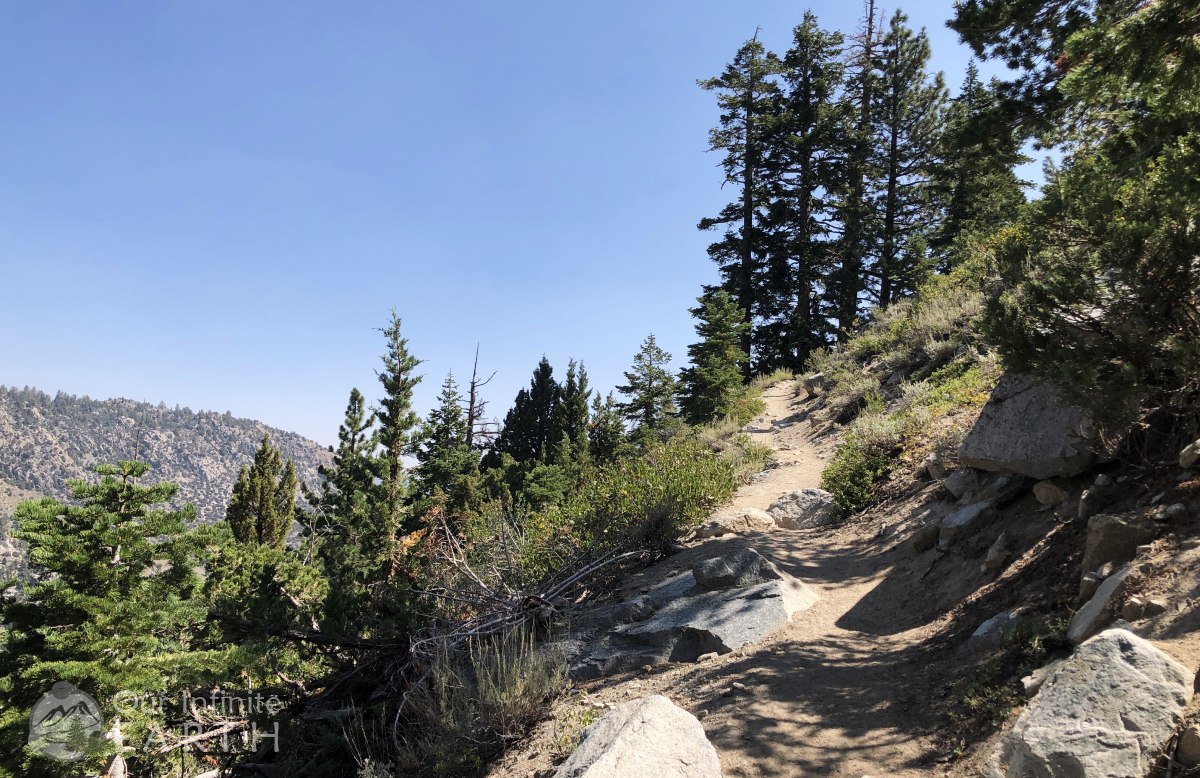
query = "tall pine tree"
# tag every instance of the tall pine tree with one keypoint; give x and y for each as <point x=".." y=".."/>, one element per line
<point x="908" y="113"/>
<point x="397" y="423"/>
<point x="806" y="160"/>
<point x="974" y="181"/>
<point x="749" y="98"/>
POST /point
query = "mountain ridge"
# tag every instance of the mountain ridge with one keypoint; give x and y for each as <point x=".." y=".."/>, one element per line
<point x="45" y="441"/>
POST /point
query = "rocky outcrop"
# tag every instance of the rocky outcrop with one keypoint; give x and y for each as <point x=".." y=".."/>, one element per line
<point x="736" y="522"/>
<point x="803" y="509"/>
<point x="650" y="736"/>
<point x="1106" y="711"/>
<point x="1026" y="428"/>
<point x="725" y="603"/>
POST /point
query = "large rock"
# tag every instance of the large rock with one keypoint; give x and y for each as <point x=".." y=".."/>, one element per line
<point x="1028" y="429"/>
<point x="737" y="521"/>
<point x="742" y="568"/>
<point x="1098" y="611"/>
<point x="720" y="621"/>
<point x="650" y="736"/>
<point x="803" y="508"/>
<point x="1115" y="538"/>
<point x="679" y="620"/>
<point x="1105" y="712"/>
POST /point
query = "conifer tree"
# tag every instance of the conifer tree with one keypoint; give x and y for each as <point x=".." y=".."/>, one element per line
<point x="347" y="483"/>
<point x="445" y="462"/>
<point x="263" y="503"/>
<point x="855" y="213"/>
<point x="397" y="423"/>
<point x="907" y="119"/>
<point x="651" y="392"/>
<point x="749" y="99"/>
<point x="528" y="432"/>
<point x="571" y="416"/>
<point x="116" y="611"/>
<point x="805" y="159"/>
<point x="606" y="435"/>
<point x="710" y="386"/>
<point x="974" y="182"/>
<point x="1096" y="285"/>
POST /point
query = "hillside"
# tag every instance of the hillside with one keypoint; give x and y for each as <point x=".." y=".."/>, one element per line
<point x="46" y="440"/>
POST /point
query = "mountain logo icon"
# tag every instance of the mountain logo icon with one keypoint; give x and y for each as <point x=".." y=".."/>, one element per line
<point x="65" y="723"/>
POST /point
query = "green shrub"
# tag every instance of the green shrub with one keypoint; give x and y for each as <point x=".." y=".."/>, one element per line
<point x="651" y="499"/>
<point x="852" y="474"/>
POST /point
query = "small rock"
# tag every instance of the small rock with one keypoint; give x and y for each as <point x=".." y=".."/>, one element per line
<point x="1154" y="607"/>
<point x="711" y="655"/>
<point x="926" y="536"/>
<point x="1089" y="584"/>
<point x="702" y="714"/>
<point x="737" y="522"/>
<point x="1133" y="609"/>
<point x="1188" y="752"/>
<point x="1190" y="455"/>
<point x="1156" y="499"/>
<point x="743" y="568"/>
<point x="814" y="384"/>
<point x="1103" y="479"/>
<point x="1096" y="499"/>
<point x="997" y="555"/>
<point x="1115" y="538"/>
<point x="962" y="522"/>
<point x="992" y="632"/>
<point x="649" y="736"/>
<point x="1097" y="611"/>
<point x="934" y="466"/>
<point x="1050" y="492"/>
<point x="1173" y="512"/>
<point x="1033" y="682"/>
<point x="738" y="686"/>
<point x="962" y="482"/>
<point x="802" y="509"/>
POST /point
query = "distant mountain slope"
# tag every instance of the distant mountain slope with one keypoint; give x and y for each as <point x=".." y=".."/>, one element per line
<point x="45" y="441"/>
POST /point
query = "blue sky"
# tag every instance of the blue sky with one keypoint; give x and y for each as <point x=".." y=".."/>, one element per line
<point x="215" y="204"/>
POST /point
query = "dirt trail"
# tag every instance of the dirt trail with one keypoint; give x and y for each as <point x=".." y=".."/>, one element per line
<point x="842" y="690"/>
<point x="845" y="688"/>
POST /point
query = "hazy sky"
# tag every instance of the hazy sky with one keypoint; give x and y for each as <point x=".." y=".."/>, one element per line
<point x="215" y="204"/>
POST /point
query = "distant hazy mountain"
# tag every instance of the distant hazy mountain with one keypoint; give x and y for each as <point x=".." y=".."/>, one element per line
<point x="45" y="441"/>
